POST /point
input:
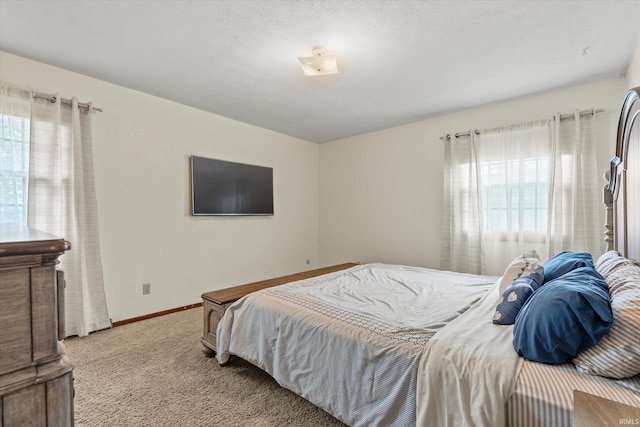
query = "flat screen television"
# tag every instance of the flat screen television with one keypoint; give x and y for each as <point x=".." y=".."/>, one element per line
<point x="219" y="187"/>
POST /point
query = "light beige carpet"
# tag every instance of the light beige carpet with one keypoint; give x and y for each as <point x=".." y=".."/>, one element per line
<point x="153" y="373"/>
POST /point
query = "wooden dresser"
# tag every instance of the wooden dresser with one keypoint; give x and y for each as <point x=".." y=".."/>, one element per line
<point x="36" y="383"/>
<point x="216" y="302"/>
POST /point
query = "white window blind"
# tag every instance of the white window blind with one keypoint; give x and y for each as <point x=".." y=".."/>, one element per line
<point x="14" y="160"/>
<point x="515" y="194"/>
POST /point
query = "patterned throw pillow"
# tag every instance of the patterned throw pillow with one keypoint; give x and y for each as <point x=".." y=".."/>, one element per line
<point x="517" y="267"/>
<point x="617" y="355"/>
<point x="514" y="297"/>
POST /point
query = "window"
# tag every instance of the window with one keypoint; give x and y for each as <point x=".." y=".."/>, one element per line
<point x="14" y="168"/>
<point x="529" y="186"/>
<point x="515" y="194"/>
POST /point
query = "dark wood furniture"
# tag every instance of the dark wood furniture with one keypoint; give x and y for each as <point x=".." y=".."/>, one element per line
<point x="622" y="193"/>
<point x="216" y="302"/>
<point x="596" y="411"/>
<point x="36" y="383"/>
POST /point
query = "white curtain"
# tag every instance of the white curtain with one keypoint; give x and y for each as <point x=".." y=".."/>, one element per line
<point x="575" y="201"/>
<point x="462" y="234"/>
<point x="515" y="163"/>
<point x="62" y="201"/>
<point x="517" y="188"/>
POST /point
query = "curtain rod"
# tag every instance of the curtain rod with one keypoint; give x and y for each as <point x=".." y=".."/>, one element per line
<point x="65" y="101"/>
<point x="562" y="117"/>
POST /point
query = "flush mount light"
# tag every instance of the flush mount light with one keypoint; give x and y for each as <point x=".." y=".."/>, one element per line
<point x="322" y="63"/>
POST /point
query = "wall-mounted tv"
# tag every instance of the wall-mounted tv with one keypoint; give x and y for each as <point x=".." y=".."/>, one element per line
<point x="220" y="187"/>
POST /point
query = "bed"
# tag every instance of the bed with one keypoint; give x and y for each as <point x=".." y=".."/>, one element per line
<point x="394" y="345"/>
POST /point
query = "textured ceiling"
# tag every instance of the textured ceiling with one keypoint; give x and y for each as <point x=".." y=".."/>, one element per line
<point x="400" y="61"/>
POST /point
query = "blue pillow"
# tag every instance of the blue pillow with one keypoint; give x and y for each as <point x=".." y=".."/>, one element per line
<point x="564" y="317"/>
<point x="516" y="294"/>
<point x="565" y="262"/>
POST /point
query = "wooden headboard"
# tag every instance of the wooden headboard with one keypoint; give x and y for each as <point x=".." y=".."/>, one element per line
<point x="622" y="193"/>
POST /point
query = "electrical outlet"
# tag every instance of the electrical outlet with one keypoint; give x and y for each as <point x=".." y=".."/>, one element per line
<point x="146" y="288"/>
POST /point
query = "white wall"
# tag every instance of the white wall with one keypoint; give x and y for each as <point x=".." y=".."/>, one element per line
<point x="373" y="197"/>
<point x="633" y="73"/>
<point x="142" y="146"/>
<point x="381" y="193"/>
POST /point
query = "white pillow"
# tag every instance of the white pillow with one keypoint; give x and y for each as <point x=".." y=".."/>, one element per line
<point x="617" y="355"/>
<point x="529" y="260"/>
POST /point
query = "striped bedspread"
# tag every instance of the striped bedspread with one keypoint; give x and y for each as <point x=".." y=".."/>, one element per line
<point x="544" y="394"/>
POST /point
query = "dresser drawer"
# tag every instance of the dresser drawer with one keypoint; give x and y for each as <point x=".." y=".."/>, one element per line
<point x="28" y="317"/>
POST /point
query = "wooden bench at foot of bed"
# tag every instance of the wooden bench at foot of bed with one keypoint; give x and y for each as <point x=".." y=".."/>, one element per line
<point x="216" y="302"/>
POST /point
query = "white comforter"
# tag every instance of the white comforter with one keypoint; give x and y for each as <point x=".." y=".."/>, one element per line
<point x="474" y="361"/>
<point x="352" y="342"/>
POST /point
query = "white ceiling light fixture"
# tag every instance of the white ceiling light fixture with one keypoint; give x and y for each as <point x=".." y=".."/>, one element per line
<point x="322" y="63"/>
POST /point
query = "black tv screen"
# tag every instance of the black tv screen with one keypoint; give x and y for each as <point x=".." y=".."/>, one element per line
<point x="220" y="187"/>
